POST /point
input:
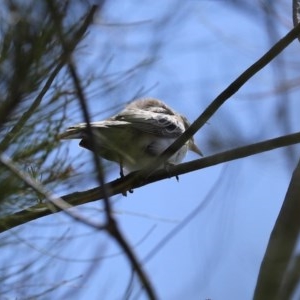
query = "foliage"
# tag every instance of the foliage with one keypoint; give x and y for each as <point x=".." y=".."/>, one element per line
<point x="43" y="88"/>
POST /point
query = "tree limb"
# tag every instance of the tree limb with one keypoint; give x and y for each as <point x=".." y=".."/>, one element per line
<point x="225" y="95"/>
<point x="282" y="243"/>
<point x="135" y="179"/>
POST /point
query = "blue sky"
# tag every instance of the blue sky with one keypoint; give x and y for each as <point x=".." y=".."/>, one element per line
<point x="191" y="50"/>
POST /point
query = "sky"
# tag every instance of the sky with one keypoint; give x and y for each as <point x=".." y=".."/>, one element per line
<point x="184" y="53"/>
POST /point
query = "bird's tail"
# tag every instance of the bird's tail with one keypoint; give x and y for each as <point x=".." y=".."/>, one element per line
<point x="75" y="132"/>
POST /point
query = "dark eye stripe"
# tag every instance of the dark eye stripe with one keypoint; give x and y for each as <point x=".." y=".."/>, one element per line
<point x="171" y="127"/>
<point x="163" y="120"/>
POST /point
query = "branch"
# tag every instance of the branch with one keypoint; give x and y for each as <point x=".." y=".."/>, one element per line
<point x="283" y="240"/>
<point x="111" y="224"/>
<point x="296" y="13"/>
<point x="132" y="181"/>
<point x="225" y="95"/>
<point x="63" y="60"/>
<point x="53" y="203"/>
<point x="57" y="18"/>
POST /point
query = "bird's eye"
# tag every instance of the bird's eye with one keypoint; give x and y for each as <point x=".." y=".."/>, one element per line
<point x="171" y="127"/>
<point x="162" y="120"/>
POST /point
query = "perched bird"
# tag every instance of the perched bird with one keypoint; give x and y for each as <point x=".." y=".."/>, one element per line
<point x="136" y="136"/>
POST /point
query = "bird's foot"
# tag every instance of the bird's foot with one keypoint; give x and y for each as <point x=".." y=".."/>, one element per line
<point x="168" y="166"/>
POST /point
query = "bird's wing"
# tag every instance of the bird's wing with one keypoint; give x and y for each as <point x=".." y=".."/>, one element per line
<point x="160" y="124"/>
<point x="163" y="125"/>
<point x="79" y="131"/>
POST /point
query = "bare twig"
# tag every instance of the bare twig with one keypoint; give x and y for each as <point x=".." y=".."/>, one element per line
<point x="284" y="237"/>
<point x="57" y="18"/>
<point x="63" y="60"/>
<point x="54" y="203"/>
<point x="296" y="13"/>
<point x="111" y="224"/>
<point x="225" y="95"/>
<point x="141" y="178"/>
<point x="132" y="181"/>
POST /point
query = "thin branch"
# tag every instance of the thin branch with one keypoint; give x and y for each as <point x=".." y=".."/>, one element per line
<point x="296" y="13"/>
<point x="282" y="243"/>
<point x="131" y="181"/>
<point x="292" y="279"/>
<point x="54" y="203"/>
<point x="63" y="60"/>
<point x="111" y="224"/>
<point x="225" y="95"/>
<point x="57" y="18"/>
<point x="52" y="288"/>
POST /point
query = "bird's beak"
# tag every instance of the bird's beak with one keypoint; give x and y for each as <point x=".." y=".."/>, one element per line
<point x="195" y="149"/>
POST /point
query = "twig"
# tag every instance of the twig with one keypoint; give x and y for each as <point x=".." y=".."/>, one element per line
<point x="54" y="203"/>
<point x="281" y="246"/>
<point x="63" y="60"/>
<point x="225" y="95"/>
<point x="131" y="181"/>
<point x="111" y="224"/>
<point x="56" y="16"/>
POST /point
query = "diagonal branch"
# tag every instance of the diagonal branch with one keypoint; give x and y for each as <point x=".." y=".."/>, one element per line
<point x="111" y="224"/>
<point x="282" y="243"/>
<point x="132" y="181"/>
<point x="57" y="18"/>
<point x="225" y="95"/>
<point x="296" y="13"/>
<point x="53" y="203"/>
<point x="63" y="60"/>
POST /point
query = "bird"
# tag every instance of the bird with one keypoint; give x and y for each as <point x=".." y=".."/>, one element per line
<point x="136" y="136"/>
